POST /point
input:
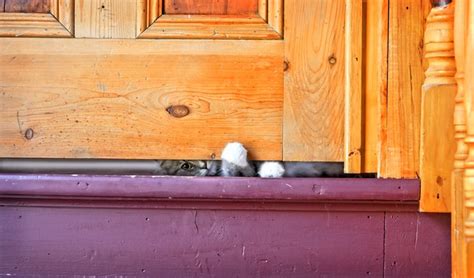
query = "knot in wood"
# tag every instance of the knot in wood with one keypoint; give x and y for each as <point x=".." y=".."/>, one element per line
<point x="178" y="111"/>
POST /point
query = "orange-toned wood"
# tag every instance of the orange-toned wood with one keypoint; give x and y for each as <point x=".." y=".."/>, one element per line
<point x="209" y="27"/>
<point x="437" y="144"/>
<point x="105" y="19"/>
<point x="31" y="25"/>
<point x="468" y="194"/>
<point x="375" y="82"/>
<point x="313" y="126"/>
<point x="108" y="98"/>
<point x="168" y="26"/>
<point x="262" y="9"/>
<point x="147" y="12"/>
<point x="275" y="15"/>
<point x="26" y="6"/>
<point x="63" y="11"/>
<point x="400" y="137"/>
<point x="211" y="7"/>
<point x="353" y="87"/>
<point x="458" y="246"/>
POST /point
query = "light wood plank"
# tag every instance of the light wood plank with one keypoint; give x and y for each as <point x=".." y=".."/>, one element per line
<point x="31" y="25"/>
<point x="105" y="19"/>
<point x="400" y="139"/>
<point x="375" y="92"/>
<point x="262" y="9"/>
<point x="437" y="147"/>
<point x="353" y="88"/>
<point x="313" y="125"/>
<point x="468" y="194"/>
<point x="63" y="11"/>
<point x="108" y="102"/>
<point x="458" y="244"/>
<point x="275" y="15"/>
<point x="209" y="27"/>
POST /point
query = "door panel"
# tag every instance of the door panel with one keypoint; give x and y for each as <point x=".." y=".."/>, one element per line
<point x="25" y="6"/>
<point x="214" y="7"/>
<point x="109" y="98"/>
<point x="97" y="98"/>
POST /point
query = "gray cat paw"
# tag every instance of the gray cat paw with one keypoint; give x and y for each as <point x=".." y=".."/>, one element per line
<point x="235" y="153"/>
<point x="271" y="170"/>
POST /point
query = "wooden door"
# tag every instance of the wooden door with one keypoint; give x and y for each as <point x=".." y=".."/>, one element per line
<point x="171" y="78"/>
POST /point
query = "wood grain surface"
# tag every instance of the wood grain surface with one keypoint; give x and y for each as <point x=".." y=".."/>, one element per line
<point x="108" y="98"/>
<point x="313" y="125"/>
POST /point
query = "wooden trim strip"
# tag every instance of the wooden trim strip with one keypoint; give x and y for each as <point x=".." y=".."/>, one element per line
<point x="275" y="15"/>
<point x="353" y="88"/>
<point x="217" y="188"/>
<point x="209" y="27"/>
<point x="31" y="25"/>
<point x="263" y="9"/>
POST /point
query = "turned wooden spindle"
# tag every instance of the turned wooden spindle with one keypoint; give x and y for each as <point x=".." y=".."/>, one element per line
<point x="437" y="146"/>
<point x="468" y="188"/>
<point x="439" y="46"/>
<point x="457" y="207"/>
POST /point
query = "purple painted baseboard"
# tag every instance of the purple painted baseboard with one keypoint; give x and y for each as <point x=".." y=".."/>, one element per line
<point x="124" y="226"/>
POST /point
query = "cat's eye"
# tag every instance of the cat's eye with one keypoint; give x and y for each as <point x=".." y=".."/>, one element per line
<point x="186" y="166"/>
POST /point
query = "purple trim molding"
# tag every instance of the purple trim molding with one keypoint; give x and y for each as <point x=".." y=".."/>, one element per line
<point x="210" y="188"/>
<point x="143" y="226"/>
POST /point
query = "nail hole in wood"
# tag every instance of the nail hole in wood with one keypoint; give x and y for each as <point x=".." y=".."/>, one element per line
<point x="332" y="60"/>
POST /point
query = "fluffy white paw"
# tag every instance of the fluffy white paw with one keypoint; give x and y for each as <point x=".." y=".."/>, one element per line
<point x="271" y="170"/>
<point x="235" y="153"/>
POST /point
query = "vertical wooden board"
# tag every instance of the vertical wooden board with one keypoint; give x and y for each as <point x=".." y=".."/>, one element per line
<point x="400" y="137"/>
<point x="213" y="7"/>
<point x="105" y="19"/>
<point x="416" y="245"/>
<point x="374" y="80"/>
<point x="87" y="98"/>
<point x="437" y="153"/>
<point x="314" y="89"/>
<point x="26" y="6"/>
<point x="353" y="87"/>
<point x="2" y="6"/>
<point x="66" y="14"/>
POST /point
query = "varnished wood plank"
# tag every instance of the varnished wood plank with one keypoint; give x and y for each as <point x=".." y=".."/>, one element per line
<point x="210" y="27"/>
<point x="26" y="6"/>
<point x="314" y="88"/>
<point x="437" y="144"/>
<point x="2" y="6"/>
<point x="262" y="9"/>
<point x="458" y="243"/>
<point x="63" y="11"/>
<point x="213" y="7"/>
<point x="353" y="87"/>
<point x="275" y="15"/>
<point x="468" y="183"/>
<point x="31" y="25"/>
<point x="102" y="100"/>
<point x="105" y="19"/>
<point x="375" y="79"/>
<point x="400" y="140"/>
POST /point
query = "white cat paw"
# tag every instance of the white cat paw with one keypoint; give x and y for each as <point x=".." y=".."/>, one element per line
<point x="271" y="170"/>
<point x="235" y="153"/>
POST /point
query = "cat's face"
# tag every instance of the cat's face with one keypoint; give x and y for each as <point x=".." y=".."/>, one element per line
<point x="187" y="167"/>
<point x="190" y="168"/>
